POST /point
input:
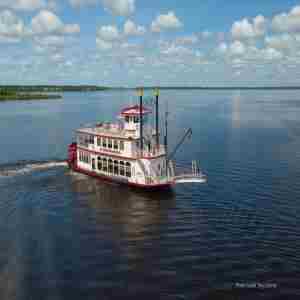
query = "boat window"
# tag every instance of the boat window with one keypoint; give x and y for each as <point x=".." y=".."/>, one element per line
<point x="99" y="141"/>
<point x="109" y="143"/>
<point x="82" y="140"/>
<point x="104" y="164"/>
<point x="128" y="169"/>
<point x="104" y="142"/>
<point x="127" y="119"/>
<point x="110" y="166"/>
<point x="91" y="139"/>
<point x="130" y="119"/>
<point x="136" y="119"/>
<point x="122" y="145"/>
<point x="99" y="163"/>
<point x="116" y="167"/>
<point x="122" y="168"/>
<point x="93" y="164"/>
<point x="116" y="145"/>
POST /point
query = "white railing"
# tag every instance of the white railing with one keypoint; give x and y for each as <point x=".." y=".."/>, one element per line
<point x="154" y="152"/>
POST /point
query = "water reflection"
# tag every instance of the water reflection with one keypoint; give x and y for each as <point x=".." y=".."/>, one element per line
<point x="131" y="218"/>
<point x="236" y="112"/>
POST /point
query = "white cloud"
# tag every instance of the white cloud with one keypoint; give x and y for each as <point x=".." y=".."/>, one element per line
<point x="271" y="54"/>
<point x="206" y="34"/>
<point x="52" y="41"/>
<point x="244" y="29"/>
<point x="108" y="33"/>
<point x="57" y="57"/>
<point x="281" y="42"/>
<point x="26" y="5"/>
<point x="287" y="22"/>
<point x="78" y="3"/>
<point x="119" y="7"/>
<point x="239" y="54"/>
<point x="12" y="28"/>
<point x="222" y="48"/>
<point x="187" y="40"/>
<point x="177" y="50"/>
<point x="237" y="48"/>
<point x="166" y="22"/>
<point x="106" y="37"/>
<point x="131" y="29"/>
<point x="103" y="45"/>
<point x="71" y="29"/>
<point x="52" y="5"/>
<point x="47" y="22"/>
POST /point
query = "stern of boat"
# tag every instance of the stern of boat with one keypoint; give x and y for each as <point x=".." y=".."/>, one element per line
<point x="181" y="174"/>
<point x="72" y="155"/>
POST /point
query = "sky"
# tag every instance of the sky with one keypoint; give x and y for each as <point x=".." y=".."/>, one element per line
<point x="141" y="42"/>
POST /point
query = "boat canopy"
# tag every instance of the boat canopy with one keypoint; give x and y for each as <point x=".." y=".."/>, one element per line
<point x="135" y="111"/>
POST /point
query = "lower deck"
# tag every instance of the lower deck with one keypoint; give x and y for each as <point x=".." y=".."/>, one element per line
<point x="120" y="180"/>
<point x="131" y="171"/>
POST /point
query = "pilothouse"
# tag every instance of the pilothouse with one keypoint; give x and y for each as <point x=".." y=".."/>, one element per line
<point x="129" y="151"/>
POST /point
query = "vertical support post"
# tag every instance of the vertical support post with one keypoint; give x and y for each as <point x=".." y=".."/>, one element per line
<point x="166" y="140"/>
<point x="141" y="92"/>
<point x="157" y="118"/>
<point x="166" y="129"/>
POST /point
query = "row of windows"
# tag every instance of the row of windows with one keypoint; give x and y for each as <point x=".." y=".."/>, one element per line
<point x="134" y="119"/>
<point x="85" y="139"/>
<point x="84" y="157"/>
<point x="115" y="167"/>
<point x="110" y="143"/>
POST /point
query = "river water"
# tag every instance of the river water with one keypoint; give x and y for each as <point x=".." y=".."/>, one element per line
<point x="68" y="236"/>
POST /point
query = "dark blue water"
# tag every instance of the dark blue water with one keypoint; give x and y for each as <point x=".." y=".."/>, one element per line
<point x="67" y="236"/>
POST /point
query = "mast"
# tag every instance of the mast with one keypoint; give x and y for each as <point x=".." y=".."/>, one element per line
<point x="157" y="118"/>
<point x="141" y="92"/>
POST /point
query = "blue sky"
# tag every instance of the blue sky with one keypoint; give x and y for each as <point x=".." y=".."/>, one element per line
<point x="142" y="42"/>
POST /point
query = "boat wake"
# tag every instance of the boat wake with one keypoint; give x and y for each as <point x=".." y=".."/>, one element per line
<point x="24" y="167"/>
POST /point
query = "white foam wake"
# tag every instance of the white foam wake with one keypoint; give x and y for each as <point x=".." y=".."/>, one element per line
<point x="21" y="169"/>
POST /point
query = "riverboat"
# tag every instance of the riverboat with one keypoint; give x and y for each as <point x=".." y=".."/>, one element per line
<point x="129" y="151"/>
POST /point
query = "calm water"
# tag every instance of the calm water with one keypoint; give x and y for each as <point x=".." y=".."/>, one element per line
<point x="67" y="236"/>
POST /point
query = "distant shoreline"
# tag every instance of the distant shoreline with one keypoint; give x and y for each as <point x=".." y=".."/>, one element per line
<point x="45" y="89"/>
<point x="225" y="88"/>
<point x="28" y="97"/>
<point x="50" y="88"/>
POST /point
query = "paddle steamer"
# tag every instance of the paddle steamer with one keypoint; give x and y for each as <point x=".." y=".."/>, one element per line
<point x="129" y="151"/>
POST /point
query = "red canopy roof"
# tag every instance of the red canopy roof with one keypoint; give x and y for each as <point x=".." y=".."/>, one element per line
<point x="135" y="111"/>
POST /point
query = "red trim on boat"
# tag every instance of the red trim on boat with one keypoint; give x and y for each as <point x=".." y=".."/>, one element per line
<point x="135" y="111"/>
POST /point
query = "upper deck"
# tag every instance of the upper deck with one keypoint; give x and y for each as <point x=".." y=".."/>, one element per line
<point x="113" y="139"/>
<point x="112" y="130"/>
